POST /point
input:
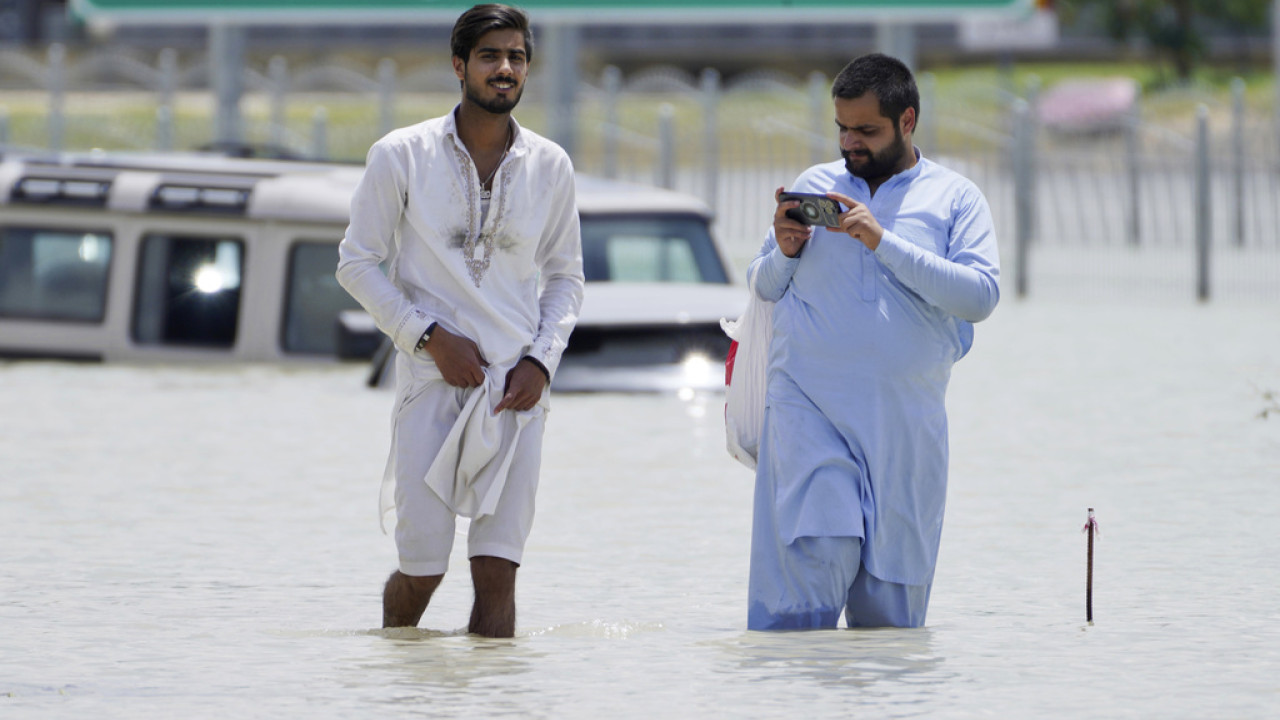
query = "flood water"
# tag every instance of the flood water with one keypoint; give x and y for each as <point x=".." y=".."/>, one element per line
<point x="180" y="542"/>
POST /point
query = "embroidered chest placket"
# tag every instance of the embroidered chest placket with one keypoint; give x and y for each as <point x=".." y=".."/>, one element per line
<point x="478" y="248"/>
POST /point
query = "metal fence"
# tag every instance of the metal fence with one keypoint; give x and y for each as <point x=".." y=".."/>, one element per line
<point x="1181" y="201"/>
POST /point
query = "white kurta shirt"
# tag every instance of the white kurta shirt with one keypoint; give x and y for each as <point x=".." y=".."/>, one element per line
<point x="508" y="276"/>
<point x="511" y="281"/>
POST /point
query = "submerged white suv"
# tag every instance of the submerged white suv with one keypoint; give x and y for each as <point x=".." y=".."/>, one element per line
<point x="198" y="258"/>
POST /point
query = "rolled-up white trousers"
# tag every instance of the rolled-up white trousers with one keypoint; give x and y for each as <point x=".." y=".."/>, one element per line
<point x="425" y="525"/>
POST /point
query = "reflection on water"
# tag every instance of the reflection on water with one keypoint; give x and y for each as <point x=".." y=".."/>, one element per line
<point x="180" y="542"/>
<point x="414" y="634"/>
<point x="842" y="658"/>
<point x="432" y="666"/>
<point x="597" y="629"/>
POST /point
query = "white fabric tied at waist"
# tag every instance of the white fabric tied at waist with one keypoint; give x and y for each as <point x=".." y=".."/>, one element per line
<point x="470" y="471"/>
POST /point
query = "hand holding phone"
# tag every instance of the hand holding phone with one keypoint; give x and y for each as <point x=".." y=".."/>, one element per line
<point x="814" y="209"/>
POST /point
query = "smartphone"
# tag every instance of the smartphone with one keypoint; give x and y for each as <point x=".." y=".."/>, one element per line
<point x="814" y="209"/>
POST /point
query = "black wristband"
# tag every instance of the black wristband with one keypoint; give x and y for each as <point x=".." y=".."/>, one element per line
<point x="538" y="364"/>
<point x="426" y="335"/>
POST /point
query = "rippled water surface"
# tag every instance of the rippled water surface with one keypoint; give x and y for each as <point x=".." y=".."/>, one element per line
<point x="181" y="542"/>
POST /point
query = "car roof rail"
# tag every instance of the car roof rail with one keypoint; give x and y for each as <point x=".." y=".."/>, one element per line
<point x="220" y="196"/>
<point x="80" y="187"/>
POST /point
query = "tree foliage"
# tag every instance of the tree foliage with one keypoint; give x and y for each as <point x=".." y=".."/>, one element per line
<point x="1172" y="27"/>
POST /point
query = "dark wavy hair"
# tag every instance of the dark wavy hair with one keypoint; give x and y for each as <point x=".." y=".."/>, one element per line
<point x="477" y="21"/>
<point x="885" y="77"/>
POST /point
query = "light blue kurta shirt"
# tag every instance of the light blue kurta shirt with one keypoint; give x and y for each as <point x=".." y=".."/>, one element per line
<point x="869" y="339"/>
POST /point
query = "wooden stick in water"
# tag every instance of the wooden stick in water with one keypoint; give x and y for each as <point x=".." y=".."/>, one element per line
<point x="1090" y="527"/>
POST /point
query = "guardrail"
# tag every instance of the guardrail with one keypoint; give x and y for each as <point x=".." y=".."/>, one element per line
<point x="1147" y="206"/>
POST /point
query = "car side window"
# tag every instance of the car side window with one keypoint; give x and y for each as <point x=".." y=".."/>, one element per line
<point x="54" y="274"/>
<point x="314" y="299"/>
<point x="188" y="291"/>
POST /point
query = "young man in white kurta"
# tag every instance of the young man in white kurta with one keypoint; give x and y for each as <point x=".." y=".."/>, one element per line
<point x="483" y="283"/>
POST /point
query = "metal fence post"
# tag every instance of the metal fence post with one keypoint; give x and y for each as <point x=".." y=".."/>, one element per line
<point x="710" y="134"/>
<point x="164" y="128"/>
<point x="278" y="81"/>
<point x="1032" y="145"/>
<point x="666" y="146"/>
<point x="167" y="64"/>
<point x="57" y="94"/>
<point x="1275" y="62"/>
<point x="320" y="133"/>
<point x="897" y="39"/>
<point x="559" y="47"/>
<point x="819" y="116"/>
<point x="1202" y="203"/>
<point x="1022" y="192"/>
<point x="386" y="96"/>
<point x="1133" y="161"/>
<point x="227" y="46"/>
<point x="928" y="119"/>
<point x="612" y="81"/>
<point x="1237" y="157"/>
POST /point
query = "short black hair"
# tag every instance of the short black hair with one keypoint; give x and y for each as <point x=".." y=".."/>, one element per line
<point x="889" y="79"/>
<point x="474" y="23"/>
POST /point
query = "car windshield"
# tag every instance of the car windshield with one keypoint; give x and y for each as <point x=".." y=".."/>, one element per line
<point x="673" y="249"/>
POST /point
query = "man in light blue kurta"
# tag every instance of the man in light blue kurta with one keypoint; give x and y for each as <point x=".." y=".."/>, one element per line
<point x="870" y="316"/>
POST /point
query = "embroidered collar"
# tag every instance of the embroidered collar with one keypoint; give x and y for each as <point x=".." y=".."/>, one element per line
<point x="519" y="144"/>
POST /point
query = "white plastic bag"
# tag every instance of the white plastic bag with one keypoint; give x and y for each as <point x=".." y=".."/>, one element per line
<point x="745" y="378"/>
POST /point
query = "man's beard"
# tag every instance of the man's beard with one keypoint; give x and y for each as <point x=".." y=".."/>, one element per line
<point x="877" y="166"/>
<point x="499" y="105"/>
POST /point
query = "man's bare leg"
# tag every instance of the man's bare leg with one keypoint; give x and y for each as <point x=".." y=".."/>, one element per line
<point x="405" y="598"/>
<point x="494" y="611"/>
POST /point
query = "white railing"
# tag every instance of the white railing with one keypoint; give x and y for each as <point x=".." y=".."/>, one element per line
<point x="1159" y="203"/>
